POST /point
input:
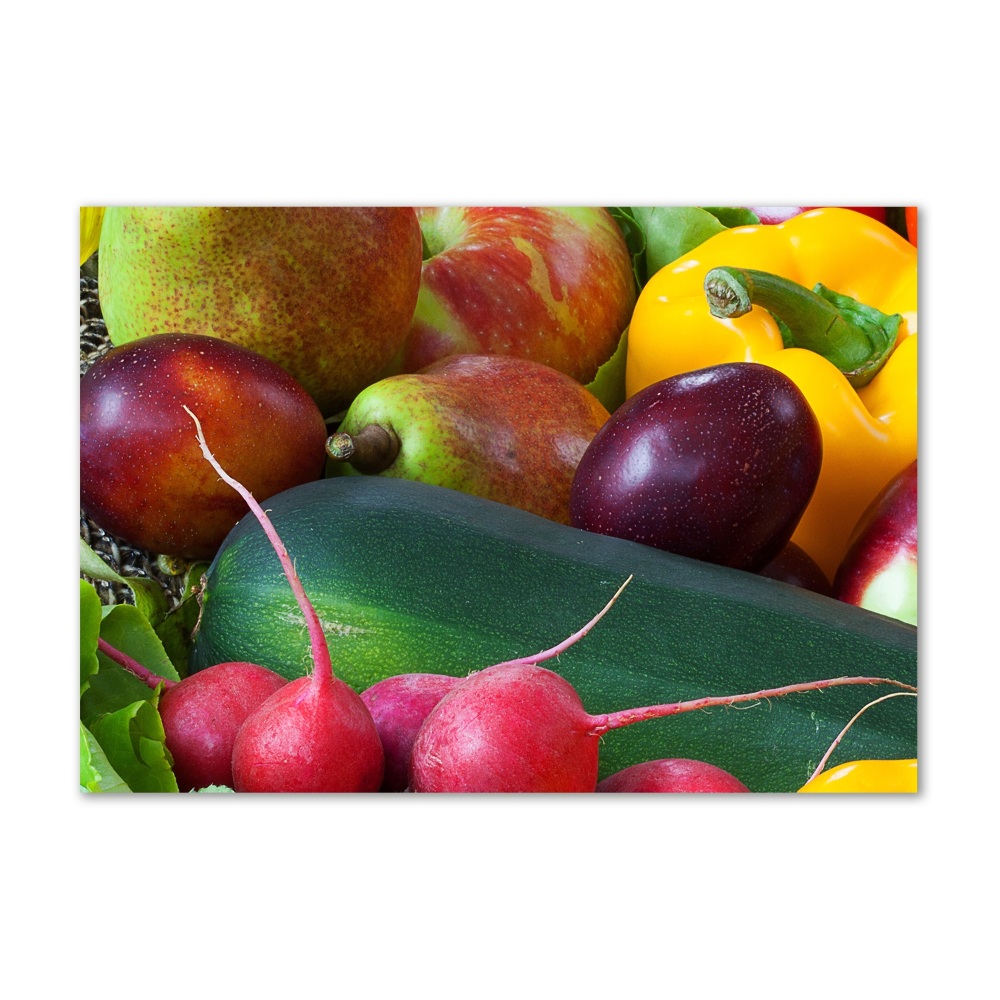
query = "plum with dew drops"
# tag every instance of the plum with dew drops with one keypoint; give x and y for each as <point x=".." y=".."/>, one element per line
<point x="716" y="464"/>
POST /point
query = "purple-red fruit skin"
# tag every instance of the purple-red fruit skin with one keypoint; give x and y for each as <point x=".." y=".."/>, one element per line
<point x="512" y="729"/>
<point x="202" y="714"/>
<point x="879" y="571"/>
<point x="399" y="705"/>
<point x="794" y="566"/>
<point x="676" y="774"/>
<point x="716" y="464"/>
<point x="142" y="475"/>
<point x="303" y="741"/>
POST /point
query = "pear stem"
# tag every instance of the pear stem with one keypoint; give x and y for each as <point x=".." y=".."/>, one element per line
<point x="371" y="451"/>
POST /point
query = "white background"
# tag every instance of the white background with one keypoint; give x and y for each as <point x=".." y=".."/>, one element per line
<point x="425" y="104"/>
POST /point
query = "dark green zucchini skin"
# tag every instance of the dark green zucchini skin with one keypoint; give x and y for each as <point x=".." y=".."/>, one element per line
<point x="411" y="577"/>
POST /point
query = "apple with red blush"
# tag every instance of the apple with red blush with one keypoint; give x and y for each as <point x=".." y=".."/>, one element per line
<point x="553" y="285"/>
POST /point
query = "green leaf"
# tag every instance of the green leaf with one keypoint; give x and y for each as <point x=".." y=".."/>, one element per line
<point x="127" y="629"/>
<point x="94" y="566"/>
<point x="90" y="626"/>
<point x="96" y="774"/>
<point x="133" y="740"/>
<point x="113" y="687"/>
<point x="177" y="626"/>
<point x="609" y="383"/>
<point x="673" y="232"/>
<point x="658" y="236"/>
<point x="148" y="594"/>
<point x="635" y="240"/>
<point x="210" y="788"/>
<point x="731" y="217"/>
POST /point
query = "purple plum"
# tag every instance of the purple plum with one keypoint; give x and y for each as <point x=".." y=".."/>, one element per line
<point x="794" y="566"/>
<point x="716" y="464"/>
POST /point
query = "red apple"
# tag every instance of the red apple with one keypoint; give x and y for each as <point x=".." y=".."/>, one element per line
<point x="879" y="571"/>
<point x="553" y="285"/>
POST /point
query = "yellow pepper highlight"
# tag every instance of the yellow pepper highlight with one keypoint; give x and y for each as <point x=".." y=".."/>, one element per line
<point x="90" y="231"/>
<point x="866" y="776"/>
<point x="869" y="434"/>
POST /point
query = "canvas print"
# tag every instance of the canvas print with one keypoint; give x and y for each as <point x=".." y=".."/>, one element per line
<point x="468" y="499"/>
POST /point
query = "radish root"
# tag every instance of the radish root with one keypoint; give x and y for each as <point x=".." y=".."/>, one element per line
<point x="857" y="715"/>
<point x="322" y="664"/>
<point x="548" y="654"/>
<point x="613" y="720"/>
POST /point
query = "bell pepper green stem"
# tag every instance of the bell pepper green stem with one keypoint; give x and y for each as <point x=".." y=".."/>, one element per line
<point x="854" y="337"/>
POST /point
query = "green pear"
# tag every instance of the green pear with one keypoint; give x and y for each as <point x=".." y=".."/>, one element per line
<point x="505" y="428"/>
<point x="326" y="293"/>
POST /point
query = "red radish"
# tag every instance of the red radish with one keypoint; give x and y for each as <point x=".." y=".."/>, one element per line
<point x="202" y="713"/>
<point x="309" y="736"/>
<point x="399" y="705"/>
<point x="518" y="727"/>
<point x="673" y="774"/>
<point x="314" y="734"/>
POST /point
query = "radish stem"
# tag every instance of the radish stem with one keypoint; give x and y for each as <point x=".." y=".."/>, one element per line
<point x="322" y="673"/>
<point x="133" y="666"/>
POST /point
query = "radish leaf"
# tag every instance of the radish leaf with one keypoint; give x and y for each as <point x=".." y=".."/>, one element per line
<point x="113" y="687"/>
<point x="133" y="741"/>
<point x="96" y="774"/>
<point x="90" y="625"/>
<point x="148" y="594"/>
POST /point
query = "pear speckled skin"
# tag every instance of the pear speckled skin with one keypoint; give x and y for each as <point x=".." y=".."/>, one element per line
<point x="327" y="293"/>
<point x="508" y="429"/>
<point x="142" y="474"/>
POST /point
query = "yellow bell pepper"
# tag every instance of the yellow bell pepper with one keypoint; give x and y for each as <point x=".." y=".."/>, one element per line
<point x="90" y="231"/>
<point x="869" y="433"/>
<point x="866" y="776"/>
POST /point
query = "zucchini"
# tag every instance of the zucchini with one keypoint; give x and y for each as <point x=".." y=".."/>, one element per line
<point x="407" y="576"/>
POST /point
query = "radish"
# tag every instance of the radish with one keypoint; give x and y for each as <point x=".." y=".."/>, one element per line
<point x="399" y="705"/>
<point x="314" y="734"/>
<point x="672" y="774"/>
<point x="202" y="714"/>
<point x="518" y="727"/>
